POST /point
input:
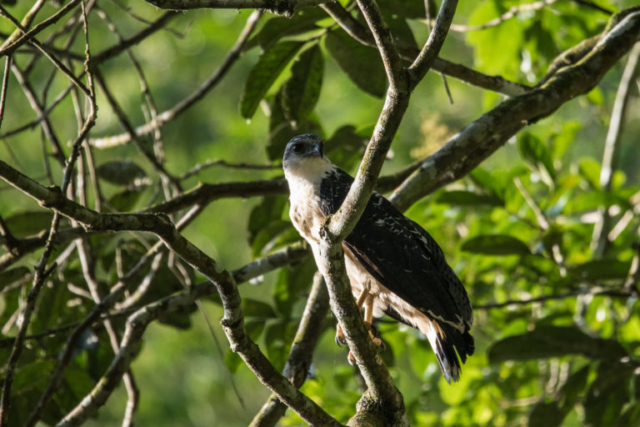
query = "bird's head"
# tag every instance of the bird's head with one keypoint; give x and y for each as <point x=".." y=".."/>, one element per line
<point x="304" y="154"/>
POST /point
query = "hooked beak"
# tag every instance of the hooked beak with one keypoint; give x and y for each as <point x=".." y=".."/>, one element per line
<point x="317" y="149"/>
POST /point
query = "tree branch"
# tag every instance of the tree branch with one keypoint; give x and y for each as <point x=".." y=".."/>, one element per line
<point x="286" y="7"/>
<point x="233" y="320"/>
<point x="361" y="34"/>
<point x="299" y="361"/>
<point x="480" y="139"/>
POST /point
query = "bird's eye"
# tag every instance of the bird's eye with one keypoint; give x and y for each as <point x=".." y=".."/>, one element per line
<point x="297" y="148"/>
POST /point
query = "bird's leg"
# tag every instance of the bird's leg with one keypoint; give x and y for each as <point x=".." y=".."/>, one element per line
<point x="340" y="339"/>
<point x="368" y="322"/>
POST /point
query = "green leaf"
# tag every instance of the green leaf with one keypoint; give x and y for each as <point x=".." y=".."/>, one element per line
<point x="264" y="73"/>
<point x="9" y="276"/>
<point x="553" y="341"/>
<point x="400" y="30"/>
<point x="404" y="8"/>
<point x="277" y="28"/>
<point x="292" y="284"/>
<point x="572" y="389"/>
<point x="345" y="147"/>
<point x="606" y="269"/>
<point x="537" y="155"/>
<point x="590" y="170"/>
<point x="278" y="337"/>
<point x="488" y="181"/>
<point x="122" y="172"/>
<point x="497" y="244"/>
<point x="258" y="309"/>
<point x="126" y="200"/>
<point x="233" y="361"/>
<point x="282" y="130"/>
<point x="565" y="138"/>
<point x="593" y="200"/>
<point x="362" y="64"/>
<point x="467" y="198"/>
<point x="29" y="223"/>
<point x="269" y="210"/>
<point x="607" y="394"/>
<point x="545" y="414"/>
<point x="301" y="92"/>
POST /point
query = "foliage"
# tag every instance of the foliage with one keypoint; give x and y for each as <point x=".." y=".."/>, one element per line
<point x="556" y="319"/>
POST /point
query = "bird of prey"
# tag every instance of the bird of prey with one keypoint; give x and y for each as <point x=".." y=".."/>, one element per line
<point x="394" y="266"/>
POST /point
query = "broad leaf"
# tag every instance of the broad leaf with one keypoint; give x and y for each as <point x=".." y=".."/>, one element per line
<point x="282" y="130"/>
<point x="545" y="414"/>
<point x="605" y="269"/>
<point x="258" y="309"/>
<point x="553" y="341"/>
<point x="537" y="155"/>
<point x="10" y="276"/>
<point x="264" y="73"/>
<point x="277" y="28"/>
<point x="122" y="172"/>
<point x="467" y="198"/>
<point x="28" y="223"/>
<point x="362" y="64"/>
<point x="301" y="92"/>
<point x="496" y="244"/>
<point x="292" y="284"/>
<point x="608" y="394"/>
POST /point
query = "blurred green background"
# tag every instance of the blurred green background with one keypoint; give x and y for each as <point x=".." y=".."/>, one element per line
<point x="182" y="377"/>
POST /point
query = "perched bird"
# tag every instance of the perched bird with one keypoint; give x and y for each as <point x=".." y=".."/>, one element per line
<point x="395" y="267"/>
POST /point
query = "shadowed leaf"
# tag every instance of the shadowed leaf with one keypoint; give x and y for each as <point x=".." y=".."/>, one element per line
<point x="264" y="73"/>
<point x="362" y="64"/>
<point x="553" y="341"/>
<point x="496" y="245"/>
<point x="301" y="92"/>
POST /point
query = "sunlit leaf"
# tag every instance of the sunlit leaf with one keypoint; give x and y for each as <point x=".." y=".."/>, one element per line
<point x="536" y="153"/>
<point x="590" y="170"/>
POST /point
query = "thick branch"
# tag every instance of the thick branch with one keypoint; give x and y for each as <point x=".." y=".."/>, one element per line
<point x="480" y="139"/>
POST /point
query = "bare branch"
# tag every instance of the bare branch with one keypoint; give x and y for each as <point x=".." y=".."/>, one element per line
<point x="196" y="96"/>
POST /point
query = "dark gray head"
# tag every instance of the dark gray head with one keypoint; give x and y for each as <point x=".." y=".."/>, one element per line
<point x="303" y="147"/>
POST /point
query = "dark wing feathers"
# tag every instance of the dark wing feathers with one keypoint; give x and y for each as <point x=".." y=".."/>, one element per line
<point x="423" y="279"/>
